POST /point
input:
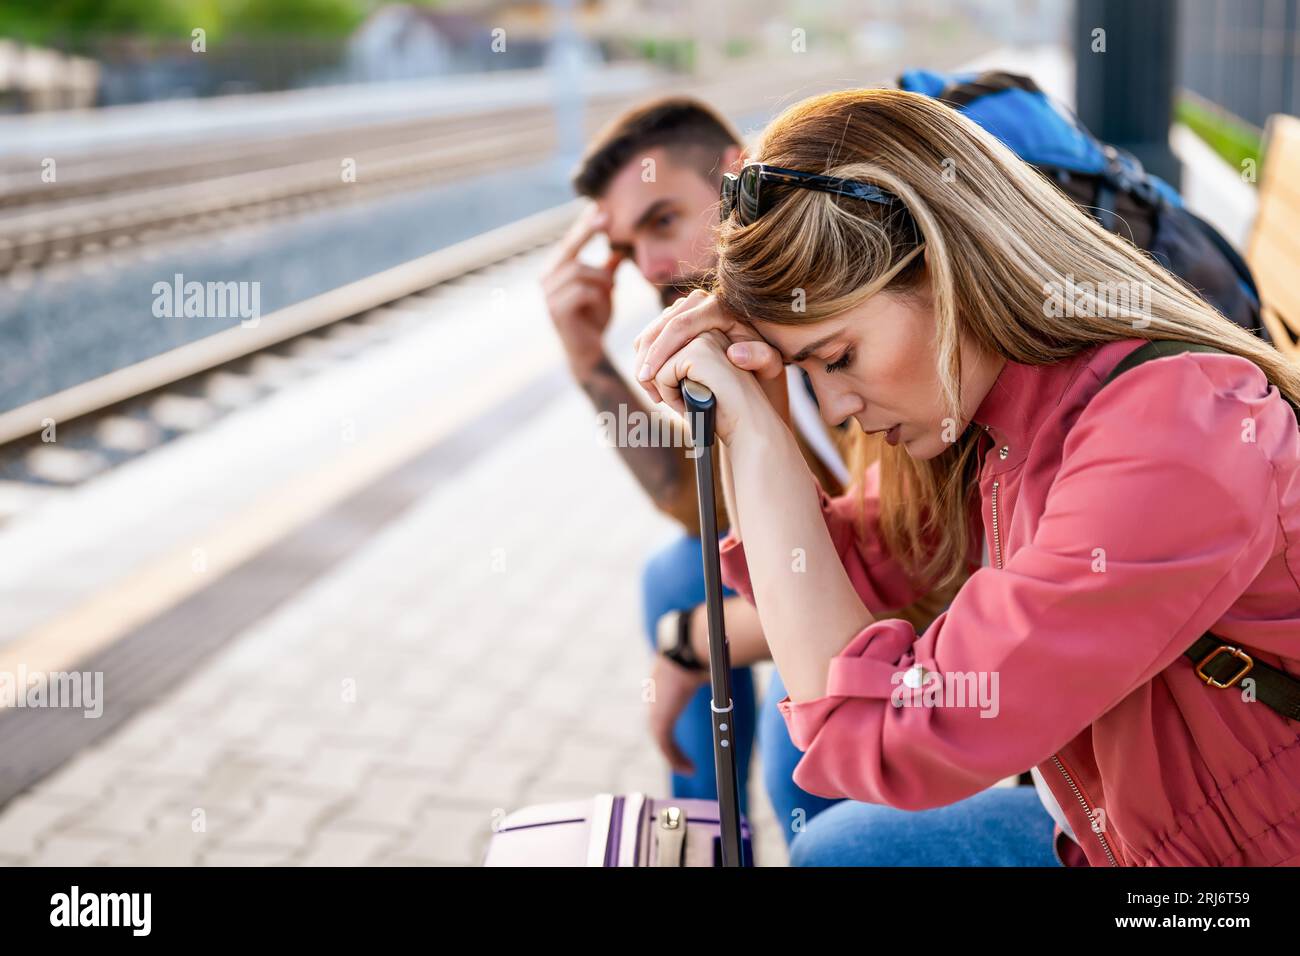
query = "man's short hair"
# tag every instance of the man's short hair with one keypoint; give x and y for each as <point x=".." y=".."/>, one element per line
<point x="690" y="130"/>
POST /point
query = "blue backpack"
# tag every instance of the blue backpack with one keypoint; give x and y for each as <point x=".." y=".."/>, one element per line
<point x="1107" y="182"/>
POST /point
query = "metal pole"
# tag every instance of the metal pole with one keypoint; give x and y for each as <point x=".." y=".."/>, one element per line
<point x="567" y="85"/>
<point x="1125" y="73"/>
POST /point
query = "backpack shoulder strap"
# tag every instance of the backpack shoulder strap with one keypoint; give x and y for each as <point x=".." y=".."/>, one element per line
<point x="1216" y="662"/>
<point x="1159" y="348"/>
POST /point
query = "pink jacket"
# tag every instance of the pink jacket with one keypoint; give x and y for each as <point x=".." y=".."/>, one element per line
<point x="1120" y="530"/>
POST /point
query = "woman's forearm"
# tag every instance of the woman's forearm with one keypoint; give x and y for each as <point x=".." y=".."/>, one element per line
<point x="744" y="633"/>
<point x="729" y="492"/>
<point x="806" y="603"/>
<point x="778" y="394"/>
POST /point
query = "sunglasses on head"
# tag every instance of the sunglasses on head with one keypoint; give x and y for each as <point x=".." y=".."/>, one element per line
<point x="744" y="195"/>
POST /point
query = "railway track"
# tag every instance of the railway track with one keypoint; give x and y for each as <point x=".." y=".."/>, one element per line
<point x="101" y="203"/>
<point x="109" y="420"/>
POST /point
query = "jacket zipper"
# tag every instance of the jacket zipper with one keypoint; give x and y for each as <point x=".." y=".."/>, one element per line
<point x="997" y="539"/>
<point x="1083" y="802"/>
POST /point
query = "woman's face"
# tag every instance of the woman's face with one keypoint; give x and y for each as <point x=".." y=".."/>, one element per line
<point x="876" y="363"/>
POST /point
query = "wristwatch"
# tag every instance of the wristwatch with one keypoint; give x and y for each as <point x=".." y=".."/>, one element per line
<point x="673" y="638"/>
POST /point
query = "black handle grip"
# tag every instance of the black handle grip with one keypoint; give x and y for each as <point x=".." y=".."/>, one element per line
<point x="701" y="407"/>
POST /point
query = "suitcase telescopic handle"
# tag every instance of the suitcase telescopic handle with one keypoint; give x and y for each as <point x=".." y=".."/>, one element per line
<point x="701" y="407"/>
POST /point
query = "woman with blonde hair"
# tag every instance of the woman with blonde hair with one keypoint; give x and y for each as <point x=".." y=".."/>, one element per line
<point x="966" y="314"/>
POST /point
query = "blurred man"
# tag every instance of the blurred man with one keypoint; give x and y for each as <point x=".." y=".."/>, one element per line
<point x="654" y="175"/>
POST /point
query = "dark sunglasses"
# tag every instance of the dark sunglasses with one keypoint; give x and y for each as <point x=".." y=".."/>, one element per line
<point x="744" y="193"/>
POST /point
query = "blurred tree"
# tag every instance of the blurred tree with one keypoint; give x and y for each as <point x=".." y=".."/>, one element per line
<point x="314" y="17"/>
<point x="41" y="21"/>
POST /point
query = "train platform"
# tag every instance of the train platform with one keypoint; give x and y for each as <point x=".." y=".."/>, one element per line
<point x="356" y="596"/>
<point x="350" y="622"/>
<point x="324" y="108"/>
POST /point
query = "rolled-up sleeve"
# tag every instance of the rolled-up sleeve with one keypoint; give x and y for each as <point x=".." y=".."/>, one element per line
<point x="1148" y="535"/>
<point x="879" y="578"/>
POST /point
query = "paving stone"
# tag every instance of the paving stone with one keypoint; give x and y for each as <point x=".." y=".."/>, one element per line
<point x="244" y="857"/>
<point x="335" y="770"/>
<point x="125" y="809"/>
<point x="281" y="820"/>
<point x="89" y="775"/>
<point x="187" y="756"/>
<point x="335" y="846"/>
<point x="235" y="784"/>
<point x="528" y="730"/>
<point x="583" y="765"/>
<point x="376" y="726"/>
<point x="428" y="747"/>
<point x="173" y="845"/>
<point x="389" y="801"/>
<point x="29" y="819"/>
<point x="75" y="848"/>
<point x="145" y="735"/>
<point x="246" y="716"/>
<point x="285" y="743"/>
<point x="493" y="779"/>
<point x="445" y="835"/>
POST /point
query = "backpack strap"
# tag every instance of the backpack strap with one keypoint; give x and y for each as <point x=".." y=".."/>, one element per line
<point x="964" y="92"/>
<point x="1218" y="663"/>
<point x="1159" y="348"/>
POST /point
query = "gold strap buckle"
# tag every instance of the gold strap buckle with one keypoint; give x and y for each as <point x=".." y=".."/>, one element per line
<point x="1225" y="649"/>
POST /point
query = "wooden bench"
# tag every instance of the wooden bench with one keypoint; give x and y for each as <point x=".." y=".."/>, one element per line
<point x="1273" y="249"/>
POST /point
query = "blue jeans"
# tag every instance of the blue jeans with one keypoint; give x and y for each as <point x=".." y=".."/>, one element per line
<point x="673" y="580"/>
<point x="1001" y="826"/>
<point x="794" y="807"/>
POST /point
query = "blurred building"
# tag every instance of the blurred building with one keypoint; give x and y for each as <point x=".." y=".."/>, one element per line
<point x="34" y="79"/>
<point x="407" y="41"/>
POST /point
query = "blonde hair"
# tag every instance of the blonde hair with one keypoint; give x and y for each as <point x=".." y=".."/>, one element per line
<point x="1000" y="243"/>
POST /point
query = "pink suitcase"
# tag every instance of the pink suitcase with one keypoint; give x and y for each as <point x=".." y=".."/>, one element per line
<point x="612" y="830"/>
<point x="633" y="829"/>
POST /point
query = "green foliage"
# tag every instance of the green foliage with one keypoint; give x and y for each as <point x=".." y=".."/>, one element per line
<point x="738" y="47"/>
<point x="1233" y="139"/>
<point x="673" y="53"/>
<point x="318" y="17"/>
<point x="42" y="21"/>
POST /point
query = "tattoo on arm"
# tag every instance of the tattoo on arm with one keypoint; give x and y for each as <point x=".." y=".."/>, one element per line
<point x="660" y="470"/>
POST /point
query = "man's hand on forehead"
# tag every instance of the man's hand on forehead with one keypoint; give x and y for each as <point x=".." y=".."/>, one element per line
<point x="592" y="220"/>
<point x="618" y="242"/>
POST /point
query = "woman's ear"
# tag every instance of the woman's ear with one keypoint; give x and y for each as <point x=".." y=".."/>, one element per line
<point x="733" y="158"/>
